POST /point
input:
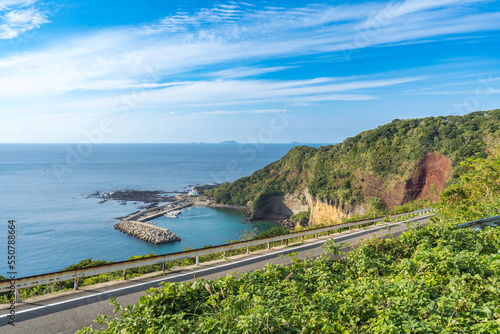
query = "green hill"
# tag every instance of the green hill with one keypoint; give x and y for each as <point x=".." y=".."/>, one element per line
<point x="434" y="278"/>
<point x="396" y="163"/>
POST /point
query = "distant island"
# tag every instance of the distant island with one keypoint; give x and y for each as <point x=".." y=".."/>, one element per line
<point x="229" y="142"/>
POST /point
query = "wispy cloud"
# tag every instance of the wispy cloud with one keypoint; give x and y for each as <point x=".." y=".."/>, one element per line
<point x="17" y="17"/>
<point x="269" y="111"/>
<point x="206" y="114"/>
<point x="8" y="4"/>
<point x="247" y="71"/>
<point x="233" y="55"/>
<point x="202" y="18"/>
<point x="100" y="60"/>
<point x="199" y="94"/>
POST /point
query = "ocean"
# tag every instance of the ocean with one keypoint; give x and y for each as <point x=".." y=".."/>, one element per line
<point x="44" y="188"/>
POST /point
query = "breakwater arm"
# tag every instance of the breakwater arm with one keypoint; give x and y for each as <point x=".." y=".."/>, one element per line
<point x="136" y="224"/>
<point x="147" y="232"/>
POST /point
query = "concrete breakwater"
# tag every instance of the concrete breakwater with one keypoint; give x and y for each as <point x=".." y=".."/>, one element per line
<point x="147" y="232"/>
<point x="145" y="215"/>
<point x="136" y="224"/>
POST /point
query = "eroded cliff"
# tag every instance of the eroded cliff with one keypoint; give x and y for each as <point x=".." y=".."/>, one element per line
<point x="426" y="179"/>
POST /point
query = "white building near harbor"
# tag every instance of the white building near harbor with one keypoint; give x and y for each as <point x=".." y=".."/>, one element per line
<point x="193" y="192"/>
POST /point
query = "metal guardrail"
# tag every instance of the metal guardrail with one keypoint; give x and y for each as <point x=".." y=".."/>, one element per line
<point x="49" y="278"/>
<point x="410" y="214"/>
<point x="487" y="221"/>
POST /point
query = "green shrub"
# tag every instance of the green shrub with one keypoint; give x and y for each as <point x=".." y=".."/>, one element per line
<point x="301" y="218"/>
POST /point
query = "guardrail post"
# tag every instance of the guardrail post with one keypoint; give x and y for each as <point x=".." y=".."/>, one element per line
<point x="329" y="232"/>
<point x="316" y="235"/>
<point x="248" y="250"/>
<point x="268" y="245"/>
<point x="340" y="230"/>
<point x="286" y="242"/>
<point x="198" y="260"/>
<point x="350" y="228"/>
<point x="302" y="239"/>
<point x="124" y="274"/>
<point x="163" y="266"/>
<point x="16" y="295"/>
<point x="224" y="255"/>
<point x="75" y="286"/>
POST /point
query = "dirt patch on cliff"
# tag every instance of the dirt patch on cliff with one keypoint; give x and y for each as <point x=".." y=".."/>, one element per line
<point x="376" y="186"/>
<point x="428" y="178"/>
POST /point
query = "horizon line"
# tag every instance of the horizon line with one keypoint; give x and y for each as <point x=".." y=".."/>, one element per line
<point x="191" y="143"/>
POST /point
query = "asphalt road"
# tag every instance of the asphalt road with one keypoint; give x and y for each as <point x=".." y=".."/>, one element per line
<point x="75" y="310"/>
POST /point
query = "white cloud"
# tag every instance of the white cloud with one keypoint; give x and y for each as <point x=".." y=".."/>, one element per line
<point x="205" y="114"/>
<point x="9" y="4"/>
<point x="219" y="112"/>
<point x="219" y="93"/>
<point x="89" y="71"/>
<point x="122" y="58"/>
<point x="269" y="111"/>
<point x="247" y="71"/>
<point x="183" y="21"/>
<point x="16" y="18"/>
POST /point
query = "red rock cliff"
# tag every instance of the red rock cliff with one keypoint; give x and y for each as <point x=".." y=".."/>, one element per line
<point x="428" y="178"/>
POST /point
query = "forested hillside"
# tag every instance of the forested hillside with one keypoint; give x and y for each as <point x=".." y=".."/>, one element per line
<point x="436" y="278"/>
<point x="393" y="164"/>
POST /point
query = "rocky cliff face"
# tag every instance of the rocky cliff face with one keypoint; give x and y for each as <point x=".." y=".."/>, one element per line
<point x="281" y="207"/>
<point x="325" y="213"/>
<point x="428" y="179"/>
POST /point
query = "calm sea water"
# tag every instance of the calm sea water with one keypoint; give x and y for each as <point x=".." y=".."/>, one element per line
<point x="44" y="188"/>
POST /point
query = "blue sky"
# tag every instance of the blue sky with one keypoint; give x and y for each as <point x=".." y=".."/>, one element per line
<point x="255" y="71"/>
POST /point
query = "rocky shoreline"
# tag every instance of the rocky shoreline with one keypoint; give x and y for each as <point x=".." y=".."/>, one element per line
<point x="147" y="232"/>
<point x="132" y="195"/>
<point x="283" y="220"/>
<point x="150" y="197"/>
<point x="288" y="224"/>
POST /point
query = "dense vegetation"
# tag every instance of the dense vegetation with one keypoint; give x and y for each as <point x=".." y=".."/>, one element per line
<point x="477" y="194"/>
<point x="335" y="173"/>
<point x="301" y="218"/>
<point x="432" y="279"/>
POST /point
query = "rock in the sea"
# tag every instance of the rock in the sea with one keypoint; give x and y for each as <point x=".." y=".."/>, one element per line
<point x="154" y="234"/>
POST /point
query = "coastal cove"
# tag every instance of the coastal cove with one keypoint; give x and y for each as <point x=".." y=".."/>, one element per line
<point x="58" y="225"/>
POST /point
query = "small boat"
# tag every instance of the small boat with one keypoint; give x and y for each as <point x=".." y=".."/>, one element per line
<point x="172" y="214"/>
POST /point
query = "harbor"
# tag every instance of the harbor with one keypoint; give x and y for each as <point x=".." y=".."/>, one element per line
<point x="173" y="208"/>
<point x="139" y="224"/>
